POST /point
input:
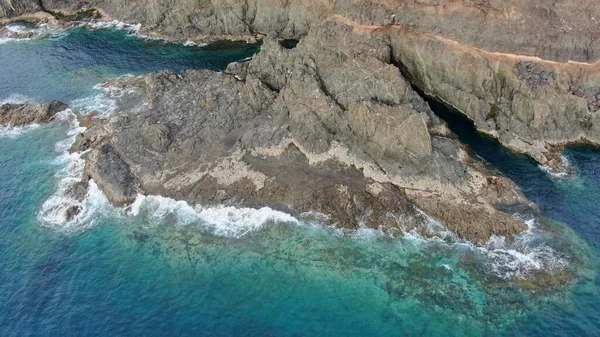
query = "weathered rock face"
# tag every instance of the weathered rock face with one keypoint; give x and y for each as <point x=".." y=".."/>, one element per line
<point x="23" y="114"/>
<point x="552" y="30"/>
<point x="470" y="54"/>
<point x="532" y="106"/>
<point x="329" y="127"/>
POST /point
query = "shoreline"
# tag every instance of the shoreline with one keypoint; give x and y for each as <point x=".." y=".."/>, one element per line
<point x="401" y="186"/>
<point x="143" y="32"/>
<point x="546" y="153"/>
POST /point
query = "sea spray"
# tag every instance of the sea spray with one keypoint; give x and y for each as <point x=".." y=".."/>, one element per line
<point x="111" y="25"/>
<point x="227" y="221"/>
<point x="22" y="31"/>
<point x="506" y="261"/>
<point x="15" y="132"/>
<point x="527" y="253"/>
<point x="53" y="212"/>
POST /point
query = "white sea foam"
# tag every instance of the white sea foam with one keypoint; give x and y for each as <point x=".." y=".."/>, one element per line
<point x="53" y="213"/>
<point x="114" y="25"/>
<point x="95" y="205"/>
<point x="447" y="266"/>
<point x="189" y="43"/>
<point x="103" y="104"/>
<point x="505" y="260"/>
<point x="431" y="228"/>
<point x="132" y="29"/>
<point x="100" y="104"/>
<point x="518" y="259"/>
<point x="227" y="221"/>
<point x="17" y="99"/>
<point x="16" y="132"/>
<point x="4" y="40"/>
<point x="527" y="253"/>
<point x="42" y="30"/>
<point x="557" y="174"/>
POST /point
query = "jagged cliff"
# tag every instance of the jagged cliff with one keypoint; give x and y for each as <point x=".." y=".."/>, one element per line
<point x="338" y="134"/>
<point x="332" y="125"/>
<point x="504" y="63"/>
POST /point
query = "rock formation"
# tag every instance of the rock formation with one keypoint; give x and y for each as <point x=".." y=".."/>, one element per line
<point x="553" y="30"/>
<point x="24" y="114"/>
<point x="503" y="63"/>
<point x="331" y="124"/>
<point x="328" y="131"/>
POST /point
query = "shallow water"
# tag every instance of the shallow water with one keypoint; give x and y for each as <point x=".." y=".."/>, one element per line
<point x="174" y="270"/>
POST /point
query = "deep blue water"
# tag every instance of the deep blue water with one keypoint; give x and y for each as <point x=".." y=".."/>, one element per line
<point x="156" y="274"/>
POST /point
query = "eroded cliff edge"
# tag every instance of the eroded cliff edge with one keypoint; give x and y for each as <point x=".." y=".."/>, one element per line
<point x="272" y="131"/>
<point x="526" y="72"/>
<point x="336" y="136"/>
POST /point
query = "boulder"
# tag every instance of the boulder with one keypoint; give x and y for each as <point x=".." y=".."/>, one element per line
<point x="23" y="114"/>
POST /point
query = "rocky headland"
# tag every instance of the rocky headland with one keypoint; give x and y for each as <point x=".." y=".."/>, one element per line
<point x="337" y="137"/>
<point x="331" y="129"/>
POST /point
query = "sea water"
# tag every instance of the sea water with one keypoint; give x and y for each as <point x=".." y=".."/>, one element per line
<point x="168" y="268"/>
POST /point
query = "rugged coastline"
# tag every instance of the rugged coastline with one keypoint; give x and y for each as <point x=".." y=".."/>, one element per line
<point x="340" y="101"/>
<point x="308" y="180"/>
<point x="304" y="134"/>
<point x="534" y="87"/>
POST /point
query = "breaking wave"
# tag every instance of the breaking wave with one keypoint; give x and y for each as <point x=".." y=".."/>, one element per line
<point x="54" y="211"/>
<point x="16" y="132"/>
<point x="113" y="25"/>
<point x="225" y="221"/>
<point x="100" y="104"/>
<point x="16" y="32"/>
<point x="104" y="103"/>
<point x="527" y="253"/>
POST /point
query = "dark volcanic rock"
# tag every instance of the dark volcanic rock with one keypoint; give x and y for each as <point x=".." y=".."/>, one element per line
<point x="23" y="114"/>
<point x="72" y="212"/>
<point x="533" y="74"/>
<point x="112" y="174"/>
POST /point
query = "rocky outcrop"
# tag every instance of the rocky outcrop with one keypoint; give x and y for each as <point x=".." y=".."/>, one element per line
<point x="338" y="101"/>
<point x="532" y="106"/>
<point x="329" y="131"/>
<point x="502" y="63"/>
<point x="15" y="115"/>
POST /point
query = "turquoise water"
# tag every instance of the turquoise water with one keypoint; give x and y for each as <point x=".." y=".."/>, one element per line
<point x="158" y="273"/>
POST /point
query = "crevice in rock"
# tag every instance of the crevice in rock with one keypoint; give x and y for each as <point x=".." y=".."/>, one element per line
<point x="269" y="85"/>
<point x="324" y="89"/>
<point x="463" y="129"/>
<point x="42" y="7"/>
<point x="289" y="43"/>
